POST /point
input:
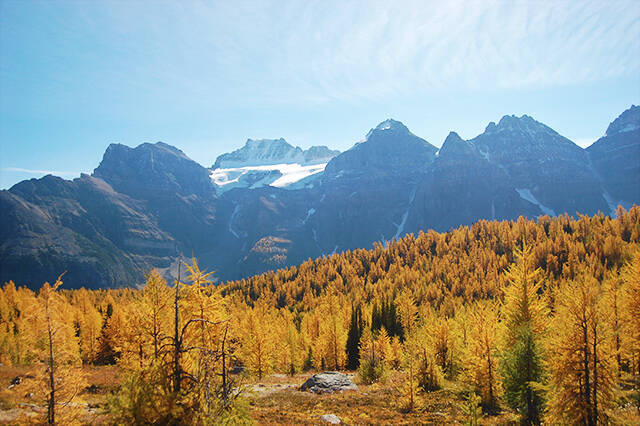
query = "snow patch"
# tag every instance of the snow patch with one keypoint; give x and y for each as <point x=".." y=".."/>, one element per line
<point x="228" y="178"/>
<point x="236" y="210"/>
<point x="403" y="222"/>
<point x="295" y="172"/>
<point x="310" y="213"/>
<point x="526" y="194"/>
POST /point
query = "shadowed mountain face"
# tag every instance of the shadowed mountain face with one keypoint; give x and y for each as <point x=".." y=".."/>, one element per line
<point x="390" y="149"/>
<point x="616" y="158"/>
<point x="540" y="162"/>
<point x="150" y="169"/>
<point x="144" y="206"/>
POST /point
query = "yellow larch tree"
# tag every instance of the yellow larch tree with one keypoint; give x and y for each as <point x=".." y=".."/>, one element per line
<point x="407" y="310"/>
<point x="332" y="339"/>
<point x="257" y="344"/>
<point x="580" y="362"/>
<point x="17" y="333"/>
<point x="481" y="361"/>
<point x="89" y="323"/>
<point x="290" y="346"/>
<point x="631" y="312"/>
<point x="419" y="347"/>
<point x="59" y="378"/>
<point x="152" y="316"/>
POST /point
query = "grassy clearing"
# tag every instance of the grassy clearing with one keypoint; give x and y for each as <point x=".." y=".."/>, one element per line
<point x="276" y="400"/>
<point x="18" y="406"/>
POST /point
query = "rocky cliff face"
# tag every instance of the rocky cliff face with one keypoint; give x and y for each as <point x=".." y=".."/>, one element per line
<point x="150" y="169"/>
<point x="264" y="152"/>
<point x="389" y="149"/>
<point x="144" y="206"/>
<point x="616" y="158"/>
<point x="464" y="183"/>
<point x="101" y="238"/>
<point x="540" y="162"/>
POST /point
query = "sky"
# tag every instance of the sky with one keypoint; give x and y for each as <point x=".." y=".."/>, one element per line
<point x="76" y="76"/>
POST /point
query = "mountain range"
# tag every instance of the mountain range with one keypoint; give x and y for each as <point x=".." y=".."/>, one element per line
<point x="269" y="204"/>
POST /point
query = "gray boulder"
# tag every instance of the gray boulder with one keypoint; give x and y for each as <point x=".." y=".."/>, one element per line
<point x="331" y="418"/>
<point x="328" y="382"/>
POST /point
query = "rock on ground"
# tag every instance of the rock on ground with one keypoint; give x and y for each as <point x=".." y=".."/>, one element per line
<point x="328" y="382"/>
<point x="331" y="418"/>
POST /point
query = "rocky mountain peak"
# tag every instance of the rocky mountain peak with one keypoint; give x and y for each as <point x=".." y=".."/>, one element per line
<point x="524" y="135"/>
<point x="524" y="123"/>
<point x="386" y="128"/>
<point x="391" y="124"/>
<point x="149" y="168"/>
<point x="455" y="145"/>
<point x="266" y="143"/>
<point x="491" y="127"/>
<point x="319" y="154"/>
<point x="263" y="152"/>
<point x="389" y="148"/>
<point x="628" y="121"/>
<point x="453" y="138"/>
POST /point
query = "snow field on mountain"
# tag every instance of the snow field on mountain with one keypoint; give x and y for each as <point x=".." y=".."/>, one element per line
<point x="289" y="174"/>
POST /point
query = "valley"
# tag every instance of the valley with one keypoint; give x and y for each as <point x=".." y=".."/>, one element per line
<point x="431" y="328"/>
<point x="269" y="204"/>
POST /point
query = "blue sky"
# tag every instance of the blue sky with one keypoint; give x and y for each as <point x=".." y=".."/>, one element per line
<point x="205" y="76"/>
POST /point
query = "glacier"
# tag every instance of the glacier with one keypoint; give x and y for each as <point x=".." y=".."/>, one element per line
<point x="277" y="175"/>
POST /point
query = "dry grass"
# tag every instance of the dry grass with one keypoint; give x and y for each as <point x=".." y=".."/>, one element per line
<point x="276" y="400"/>
<point x="17" y="406"/>
<point x="371" y="404"/>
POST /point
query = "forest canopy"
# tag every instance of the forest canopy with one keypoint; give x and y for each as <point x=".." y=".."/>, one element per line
<point x="474" y="306"/>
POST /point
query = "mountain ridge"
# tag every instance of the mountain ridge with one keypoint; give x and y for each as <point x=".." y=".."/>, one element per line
<point x="144" y="206"/>
<point x="262" y="152"/>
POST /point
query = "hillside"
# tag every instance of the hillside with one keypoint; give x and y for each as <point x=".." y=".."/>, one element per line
<point x="436" y="327"/>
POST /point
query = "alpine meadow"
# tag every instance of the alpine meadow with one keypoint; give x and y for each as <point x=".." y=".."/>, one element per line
<point x="210" y="213"/>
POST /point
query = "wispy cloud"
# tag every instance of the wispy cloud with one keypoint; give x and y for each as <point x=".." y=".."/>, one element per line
<point x="301" y="52"/>
<point x="40" y="172"/>
<point x="292" y="51"/>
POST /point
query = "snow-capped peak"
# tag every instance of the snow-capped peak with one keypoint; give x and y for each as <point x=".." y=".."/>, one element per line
<point x="264" y="152"/>
<point x="273" y="162"/>
<point x="389" y="125"/>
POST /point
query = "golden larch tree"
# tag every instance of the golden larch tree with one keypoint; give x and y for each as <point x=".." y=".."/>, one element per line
<point x="580" y="362"/>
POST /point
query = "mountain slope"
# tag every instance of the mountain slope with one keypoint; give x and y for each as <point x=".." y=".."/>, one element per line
<point x="99" y="237"/>
<point x="547" y="168"/>
<point x="152" y="168"/>
<point x="144" y="206"/>
<point x="464" y="184"/>
<point x="616" y="158"/>
<point x="389" y="149"/>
